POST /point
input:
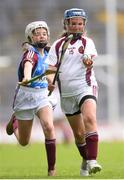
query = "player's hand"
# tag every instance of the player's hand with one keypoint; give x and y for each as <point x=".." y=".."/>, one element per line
<point x="87" y="61"/>
<point x="24" y="81"/>
<point x="51" y="87"/>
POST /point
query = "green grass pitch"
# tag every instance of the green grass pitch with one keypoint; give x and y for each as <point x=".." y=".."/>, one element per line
<point x="29" y="162"/>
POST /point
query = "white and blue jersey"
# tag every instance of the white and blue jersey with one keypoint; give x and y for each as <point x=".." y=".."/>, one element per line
<point x="39" y="67"/>
<point x="34" y="96"/>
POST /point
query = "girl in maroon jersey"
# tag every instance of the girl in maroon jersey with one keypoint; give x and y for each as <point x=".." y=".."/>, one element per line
<point x="78" y="86"/>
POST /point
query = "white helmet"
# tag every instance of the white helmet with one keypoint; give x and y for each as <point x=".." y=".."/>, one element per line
<point x="33" y="25"/>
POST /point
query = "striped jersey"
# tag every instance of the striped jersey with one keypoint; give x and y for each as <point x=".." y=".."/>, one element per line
<point x="73" y="75"/>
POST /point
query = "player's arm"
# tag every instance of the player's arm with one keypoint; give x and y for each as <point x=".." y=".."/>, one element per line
<point x="28" y="62"/>
<point x="89" y="54"/>
<point x="51" y="60"/>
<point x="51" y="86"/>
<point x="27" y="71"/>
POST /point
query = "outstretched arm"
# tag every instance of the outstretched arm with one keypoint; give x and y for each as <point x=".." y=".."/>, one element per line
<point x="27" y="71"/>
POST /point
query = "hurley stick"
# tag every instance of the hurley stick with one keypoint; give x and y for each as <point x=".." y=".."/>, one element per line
<point x="48" y="72"/>
<point x="64" y="47"/>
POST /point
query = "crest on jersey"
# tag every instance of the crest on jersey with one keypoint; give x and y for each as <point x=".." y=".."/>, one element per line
<point x="81" y="49"/>
<point x="71" y="50"/>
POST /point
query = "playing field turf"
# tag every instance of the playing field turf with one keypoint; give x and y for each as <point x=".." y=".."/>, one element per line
<point x="30" y="162"/>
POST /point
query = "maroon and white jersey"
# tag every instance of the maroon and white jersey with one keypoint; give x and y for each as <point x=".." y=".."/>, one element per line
<point x="73" y="76"/>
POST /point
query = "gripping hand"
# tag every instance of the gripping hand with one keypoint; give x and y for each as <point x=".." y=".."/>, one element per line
<point x="87" y="60"/>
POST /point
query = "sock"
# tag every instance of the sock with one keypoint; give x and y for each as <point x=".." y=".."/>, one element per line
<point x="82" y="149"/>
<point x="50" y="146"/>
<point x="92" y="145"/>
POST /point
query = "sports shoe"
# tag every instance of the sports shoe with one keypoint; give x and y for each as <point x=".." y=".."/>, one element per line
<point x="11" y="126"/>
<point x="84" y="169"/>
<point x="52" y="172"/>
<point x="93" y="166"/>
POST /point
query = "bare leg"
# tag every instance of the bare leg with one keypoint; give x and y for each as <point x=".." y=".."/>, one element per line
<point x="23" y="132"/>
<point x="77" y="125"/>
<point x="88" y="110"/>
<point x="46" y="119"/>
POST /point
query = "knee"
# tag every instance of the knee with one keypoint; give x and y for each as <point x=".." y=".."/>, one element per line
<point x="89" y="121"/>
<point x="49" y="130"/>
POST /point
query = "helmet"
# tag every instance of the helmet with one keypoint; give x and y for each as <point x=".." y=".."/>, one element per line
<point x="36" y="24"/>
<point x="75" y="12"/>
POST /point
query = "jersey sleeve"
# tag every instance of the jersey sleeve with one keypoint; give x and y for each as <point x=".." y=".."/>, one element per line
<point x="30" y="56"/>
<point x="90" y="48"/>
<point x="52" y="56"/>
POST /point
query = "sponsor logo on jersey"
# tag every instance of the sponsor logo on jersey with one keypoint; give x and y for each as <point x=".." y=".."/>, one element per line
<point x="71" y="50"/>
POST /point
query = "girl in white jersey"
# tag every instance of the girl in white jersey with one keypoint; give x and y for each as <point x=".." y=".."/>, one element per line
<point x="32" y="99"/>
<point x="78" y="87"/>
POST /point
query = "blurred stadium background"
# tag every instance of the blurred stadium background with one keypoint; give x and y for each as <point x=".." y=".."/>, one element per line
<point x="105" y="26"/>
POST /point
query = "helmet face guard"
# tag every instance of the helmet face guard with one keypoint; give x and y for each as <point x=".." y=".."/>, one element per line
<point x="40" y="45"/>
<point x="34" y="25"/>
